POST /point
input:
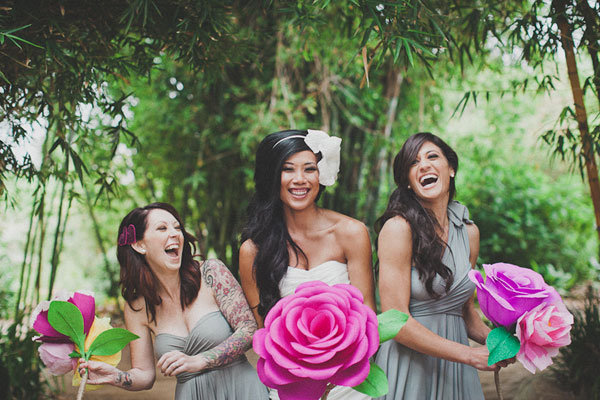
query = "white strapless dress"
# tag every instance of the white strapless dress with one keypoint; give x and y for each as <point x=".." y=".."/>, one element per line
<point x="331" y="272"/>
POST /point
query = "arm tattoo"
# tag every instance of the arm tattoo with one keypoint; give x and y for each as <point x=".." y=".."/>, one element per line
<point x="124" y="379"/>
<point x="234" y="307"/>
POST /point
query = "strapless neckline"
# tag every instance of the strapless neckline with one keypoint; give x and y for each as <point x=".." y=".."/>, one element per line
<point x="320" y="266"/>
<point x="196" y="325"/>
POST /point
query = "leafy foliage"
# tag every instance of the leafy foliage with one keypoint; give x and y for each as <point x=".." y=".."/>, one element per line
<point x="20" y="366"/>
<point x="577" y="368"/>
<point x="526" y="218"/>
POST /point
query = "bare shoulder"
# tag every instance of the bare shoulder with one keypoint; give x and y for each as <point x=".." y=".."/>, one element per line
<point x="248" y="249"/>
<point x="347" y="228"/>
<point x="396" y="227"/>
<point x="136" y="312"/>
<point x="473" y="232"/>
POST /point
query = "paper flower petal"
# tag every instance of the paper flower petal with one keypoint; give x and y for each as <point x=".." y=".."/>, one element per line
<point x="329" y="147"/>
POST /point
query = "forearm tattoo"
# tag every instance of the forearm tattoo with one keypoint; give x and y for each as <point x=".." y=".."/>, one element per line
<point x="233" y="305"/>
<point x="124" y="379"/>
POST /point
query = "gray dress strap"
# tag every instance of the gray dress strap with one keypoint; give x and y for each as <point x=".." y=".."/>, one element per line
<point x="413" y="375"/>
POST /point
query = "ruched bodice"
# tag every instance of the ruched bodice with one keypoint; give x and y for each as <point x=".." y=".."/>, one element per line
<point x="414" y="375"/>
<point x="331" y="272"/>
<point x="236" y="380"/>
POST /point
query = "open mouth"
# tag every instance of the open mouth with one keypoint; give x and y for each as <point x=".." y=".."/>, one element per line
<point x="299" y="192"/>
<point x="172" y="250"/>
<point x="428" y="180"/>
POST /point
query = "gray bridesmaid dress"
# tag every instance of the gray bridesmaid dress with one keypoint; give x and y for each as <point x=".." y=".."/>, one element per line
<point x="237" y="380"/>
<point x="413" y="375"/>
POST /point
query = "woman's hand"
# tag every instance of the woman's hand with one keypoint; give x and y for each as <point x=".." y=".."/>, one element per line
<point x="175" y="362"/>
<point x="478" y="358"/>
<point x="99" y="373"/>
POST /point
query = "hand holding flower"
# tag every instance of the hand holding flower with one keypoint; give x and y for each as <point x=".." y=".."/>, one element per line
<point x="517" y="300"/>
<point x="68" y="324"/>
<point x="479" y="359"/>
<point x="99" y="372"/>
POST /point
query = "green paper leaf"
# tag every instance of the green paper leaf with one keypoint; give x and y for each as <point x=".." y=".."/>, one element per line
<point x="390" y="323"/>
<point x="67" y="319"/>
<point x="75" y="355"/>
<point x="110" y="341"/>
<point x="376" y="383"/>
<point x="502" y="345"/>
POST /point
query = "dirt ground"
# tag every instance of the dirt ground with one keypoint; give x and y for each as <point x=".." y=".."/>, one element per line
<point x="516" y="382"/>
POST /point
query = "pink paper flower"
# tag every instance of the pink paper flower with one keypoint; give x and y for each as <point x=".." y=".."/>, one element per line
<point x="83" y="301"/>
<point x="55" y="357"/>
<point x="509" y="291"/>
<point x="321" y="334"/>
<point x="541" y="332"/>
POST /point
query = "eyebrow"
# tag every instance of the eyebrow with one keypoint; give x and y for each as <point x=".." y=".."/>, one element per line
<point x="166" y="222"/>
<point x="306" y="163"/>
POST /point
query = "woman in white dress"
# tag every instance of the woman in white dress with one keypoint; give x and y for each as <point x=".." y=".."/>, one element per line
<point x="288" y="239"/>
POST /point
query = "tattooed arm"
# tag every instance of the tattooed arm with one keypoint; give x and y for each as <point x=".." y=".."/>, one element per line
<point x="233" y="305"/>
<point x="142" y="374"/>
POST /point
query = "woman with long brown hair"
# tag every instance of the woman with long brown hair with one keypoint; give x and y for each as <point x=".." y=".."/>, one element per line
<point x="426" y="246"/>
<point x="192" y="315"/>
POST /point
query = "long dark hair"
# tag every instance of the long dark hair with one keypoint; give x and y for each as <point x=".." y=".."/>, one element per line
<point x="137" y="279"/>
<point x="427" y="247"/>
<point x="265" y="224"/>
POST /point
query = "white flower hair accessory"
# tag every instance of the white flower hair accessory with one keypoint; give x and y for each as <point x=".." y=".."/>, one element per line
<point x="329" y="146"/>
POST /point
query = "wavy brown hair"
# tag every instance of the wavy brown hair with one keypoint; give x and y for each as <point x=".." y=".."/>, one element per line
<point x="138" y="280"/>
<point x="427" y="247"/>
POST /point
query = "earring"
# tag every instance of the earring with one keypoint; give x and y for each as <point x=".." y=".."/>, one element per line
<point x="408" y="187"/>
<point x="452" y="175"/>
<point x="143" y="251"/>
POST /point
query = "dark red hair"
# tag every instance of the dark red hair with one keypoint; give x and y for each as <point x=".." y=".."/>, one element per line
<point x="138" y="280"/>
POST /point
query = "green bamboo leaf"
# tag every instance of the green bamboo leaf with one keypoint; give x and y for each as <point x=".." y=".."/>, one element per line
<point x="502" y="345"/>
<point x="389" y="324"/>
<point x="376" y="383"/>
<point x="67" y="319"/>
<point x="110" y="341"/>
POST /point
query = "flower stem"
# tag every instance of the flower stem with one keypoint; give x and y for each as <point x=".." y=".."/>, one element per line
<point x="497" y="382"/>
<point x="84" y="379"/>
<point x="329" y="387"/>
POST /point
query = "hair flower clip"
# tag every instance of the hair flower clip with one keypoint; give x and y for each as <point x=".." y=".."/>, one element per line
<point x="329" y="146"/>
<point x="127" y="235"/>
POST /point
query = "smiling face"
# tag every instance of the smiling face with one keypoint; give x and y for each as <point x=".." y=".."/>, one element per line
<point x="163" y="241"/>
<point x="430" y="174"/>
<point x="299" y="181"/>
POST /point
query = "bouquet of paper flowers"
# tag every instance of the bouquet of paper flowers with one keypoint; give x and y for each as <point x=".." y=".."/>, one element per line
<point x="322" y="336"/>
<point x="531" y="319"/>
<point x="70" y="330"/>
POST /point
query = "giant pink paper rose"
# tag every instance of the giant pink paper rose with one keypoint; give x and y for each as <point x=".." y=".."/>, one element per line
<point x="83" y="301"/>
<point x="321" y="334"/>
<point x="541" y="332"/>
<point x="509" y="291"/>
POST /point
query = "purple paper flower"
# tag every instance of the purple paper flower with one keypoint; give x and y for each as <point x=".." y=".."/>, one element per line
<point x="321" y="334"/>
<point x="509" y="291"/>
<point x="83" y="301"/>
